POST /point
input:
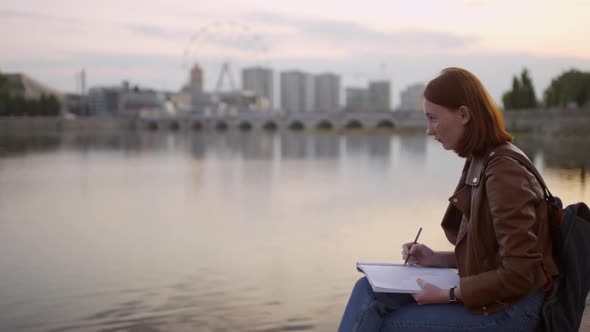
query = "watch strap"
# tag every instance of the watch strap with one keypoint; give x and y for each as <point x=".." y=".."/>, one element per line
<point x="452" y="298"/>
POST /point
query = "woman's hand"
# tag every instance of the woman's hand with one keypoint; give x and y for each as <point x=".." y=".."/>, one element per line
<point x="420" y="254"/>
<point x="431" y="294"/>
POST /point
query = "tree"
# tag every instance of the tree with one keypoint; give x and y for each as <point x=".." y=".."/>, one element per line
<point x="522" y="94"/>
<point x="52" y="106"/>
<point x="572" y="86"/>
<point x="527" y="97"/>
<point x="17" y="106"/>
<point x="47" y="105"/>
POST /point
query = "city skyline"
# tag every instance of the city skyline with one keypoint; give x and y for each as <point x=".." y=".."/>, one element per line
<point x="400" y="42"/>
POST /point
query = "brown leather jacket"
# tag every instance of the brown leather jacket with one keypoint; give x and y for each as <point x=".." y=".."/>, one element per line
<point x="497" y="220"/>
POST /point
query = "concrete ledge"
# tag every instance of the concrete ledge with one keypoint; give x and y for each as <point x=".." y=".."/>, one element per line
<point x="48" y="124"/>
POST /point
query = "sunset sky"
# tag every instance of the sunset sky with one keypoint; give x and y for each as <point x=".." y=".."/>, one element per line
<point x="152" y="43"/>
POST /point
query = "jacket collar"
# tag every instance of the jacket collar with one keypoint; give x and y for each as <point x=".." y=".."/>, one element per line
<point x="476" y="168"/>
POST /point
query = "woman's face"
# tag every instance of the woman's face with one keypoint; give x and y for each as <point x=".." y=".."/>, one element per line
<point x="446" y="125"/>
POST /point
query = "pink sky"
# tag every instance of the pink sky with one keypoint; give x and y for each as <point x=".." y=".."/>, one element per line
<point x="405" y="41"/>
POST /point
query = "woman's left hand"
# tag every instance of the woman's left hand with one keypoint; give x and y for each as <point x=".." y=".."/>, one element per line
<point x="430" y="293"/>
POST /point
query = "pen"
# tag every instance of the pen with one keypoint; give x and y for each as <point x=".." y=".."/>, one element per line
<point x="415" y="241"/>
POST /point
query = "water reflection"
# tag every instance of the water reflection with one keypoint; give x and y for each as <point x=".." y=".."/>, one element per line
<point x="568" y="155"/>
<point x="15" y="145"/>
<point x="326" y="146"/>
<point x="557" y="153"/>
<point x="413" y="146"/>
<point x="293" y="145"/>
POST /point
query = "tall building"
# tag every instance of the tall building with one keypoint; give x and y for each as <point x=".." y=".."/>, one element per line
<point x="297" y="91"/>
<point x="104" y="101"/>
<point x="379" y="96"/>
<point x="327" y="92"/>
<point x="357" y="99"/>
<point x="198" y="97"/>
<point x="412" y="97"/>
<point x="260" y="81"/>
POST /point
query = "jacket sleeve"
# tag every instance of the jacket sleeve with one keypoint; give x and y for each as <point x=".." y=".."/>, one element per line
<point x="512" y="200"/>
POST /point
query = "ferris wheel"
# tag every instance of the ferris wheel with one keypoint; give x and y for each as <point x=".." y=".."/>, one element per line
<point x="224" y="45"/>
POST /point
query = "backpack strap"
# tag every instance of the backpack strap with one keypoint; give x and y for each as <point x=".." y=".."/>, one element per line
<point x="526" y="163"/>
<point x="554" y="204"/>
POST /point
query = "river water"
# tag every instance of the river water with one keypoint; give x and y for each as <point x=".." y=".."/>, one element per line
<point x="230" y="231"/>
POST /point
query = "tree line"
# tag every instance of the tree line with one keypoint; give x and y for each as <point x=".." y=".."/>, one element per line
<point x="570" y="89"/>
<point x="46" y="105"/>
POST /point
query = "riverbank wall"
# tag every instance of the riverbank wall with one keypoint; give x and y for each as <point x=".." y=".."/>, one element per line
<point x="24" y="125"/>
<point x="549" y="121"/>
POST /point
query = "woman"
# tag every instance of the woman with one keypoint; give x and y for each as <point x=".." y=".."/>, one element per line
<point x="496" y="219"/>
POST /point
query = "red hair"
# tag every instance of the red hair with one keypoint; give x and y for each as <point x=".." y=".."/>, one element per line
<point x="456" y="87"/>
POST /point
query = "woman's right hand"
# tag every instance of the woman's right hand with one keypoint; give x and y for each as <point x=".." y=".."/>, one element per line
<point x="420" y="254"/>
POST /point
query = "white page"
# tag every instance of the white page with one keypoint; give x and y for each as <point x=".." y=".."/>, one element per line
<point x="396" y="278"/>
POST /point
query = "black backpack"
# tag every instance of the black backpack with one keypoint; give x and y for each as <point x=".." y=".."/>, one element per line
<point x="570" y="230"/>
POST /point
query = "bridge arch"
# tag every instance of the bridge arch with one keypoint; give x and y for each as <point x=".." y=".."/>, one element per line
<point x="325" y="124"/>
<point x="221" y="126"/>
<point x="386" y="124"/>
<point x="152" y="125"/>
<point x="354" y="124"/>
<point x="296" y="125"/>
<point x="197" y="125"/>
<point x="270" y="126"/>
<point x="245" y="126"/>
<point x="174" y="126"/>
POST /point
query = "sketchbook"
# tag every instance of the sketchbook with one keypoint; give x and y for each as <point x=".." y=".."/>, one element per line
<point x="397" y="278"/>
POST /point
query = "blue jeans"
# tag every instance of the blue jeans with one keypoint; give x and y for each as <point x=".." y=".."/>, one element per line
<point x="370" y="311"/>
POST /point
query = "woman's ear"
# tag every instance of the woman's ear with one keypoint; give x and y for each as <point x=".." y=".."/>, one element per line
<point x="465" y="114"/>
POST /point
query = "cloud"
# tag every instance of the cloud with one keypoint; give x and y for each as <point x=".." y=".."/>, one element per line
<point x="351" y="33"/>
<point x="17" y="14"/>
<point x="155" y="31"/>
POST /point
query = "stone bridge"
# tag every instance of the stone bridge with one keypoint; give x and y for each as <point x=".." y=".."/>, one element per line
<point x="294" y="121"/>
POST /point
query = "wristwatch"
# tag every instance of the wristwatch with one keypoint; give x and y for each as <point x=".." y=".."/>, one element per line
<point x="452" y="298"/>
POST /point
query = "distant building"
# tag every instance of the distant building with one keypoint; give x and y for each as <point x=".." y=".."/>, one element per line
<point x="141" y="102"/>
<point x="260" y="81"/>
<point x="327" y="92"/>
<point x="73" y="104"/>
<point x="182" y="101"/>
<point x="412" y="97"/>
<point x="379" y="96"/>
<point x="297" y="92"/>
<point x="104" y="101"/>
<point x="124" y="100"/>
<point x="357" y="99"/>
